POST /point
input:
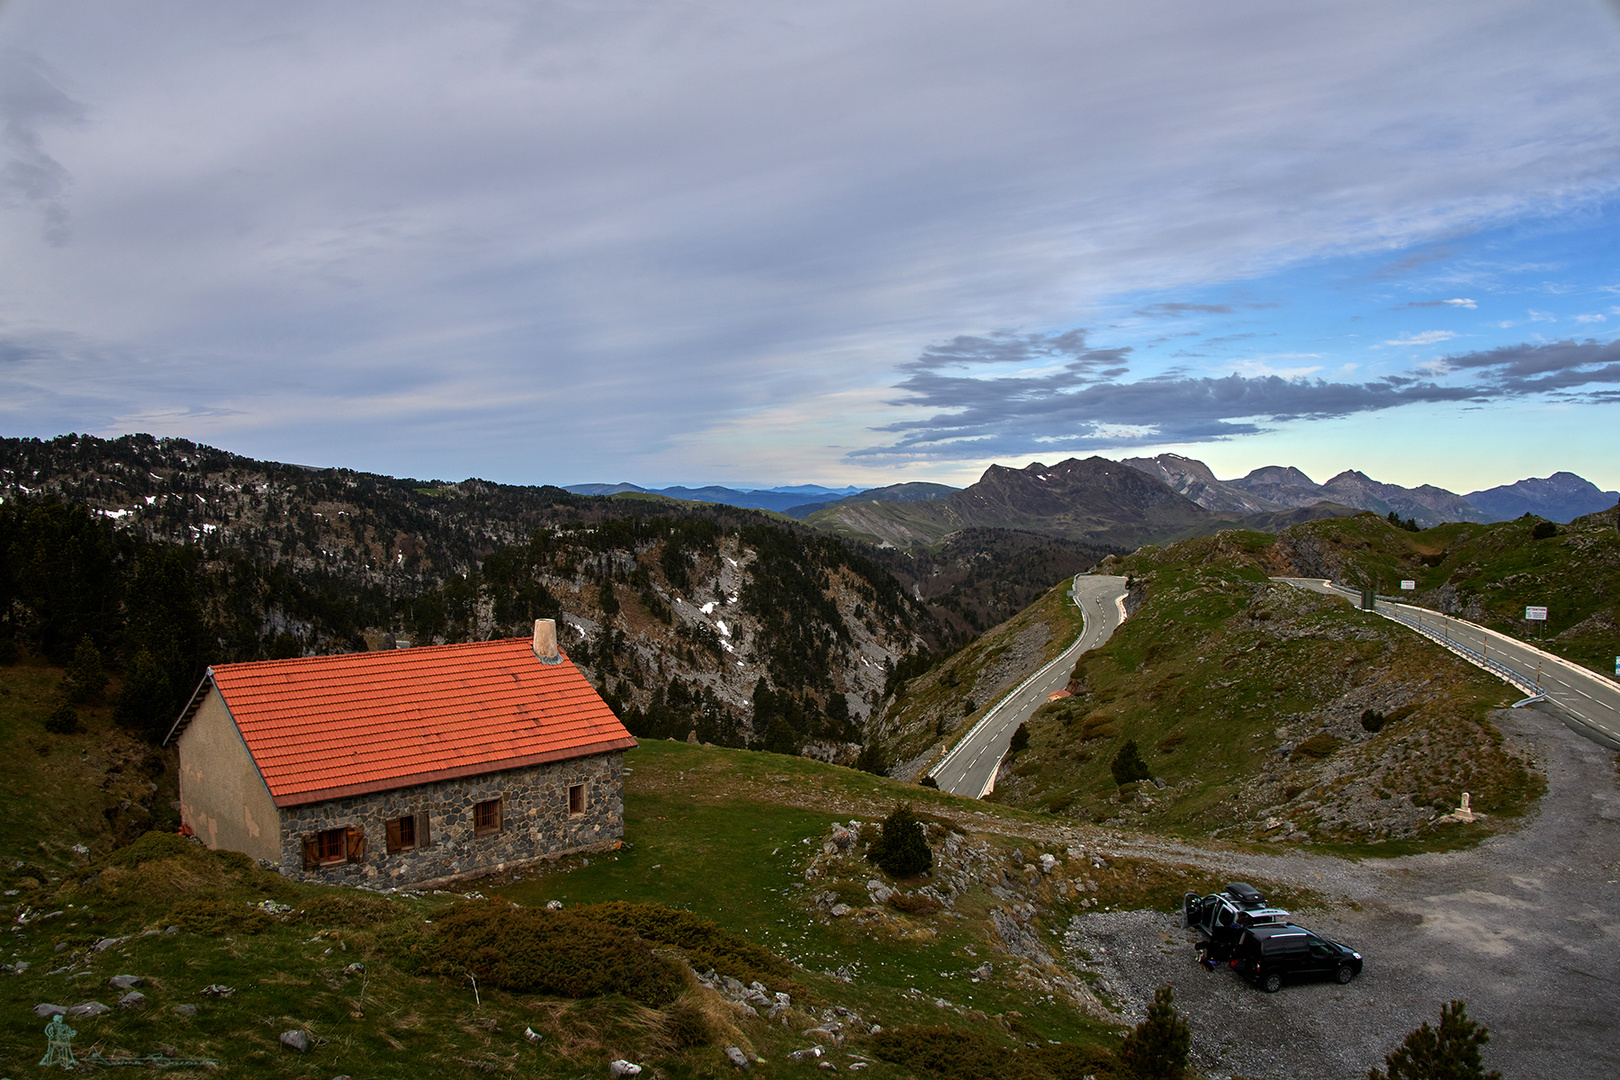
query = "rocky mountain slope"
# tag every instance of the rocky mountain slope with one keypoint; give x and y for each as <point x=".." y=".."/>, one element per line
<point x="1563" y="496"/>
<point x="1093" y="501"/>
<point x="689" y="617"/>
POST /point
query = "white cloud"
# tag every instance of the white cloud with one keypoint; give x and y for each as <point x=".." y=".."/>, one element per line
<point x="1462" y="303"/>
<point x="1594" y="318"/>
<point x="1427" y="337"/>
<point x="1541" y="316"/>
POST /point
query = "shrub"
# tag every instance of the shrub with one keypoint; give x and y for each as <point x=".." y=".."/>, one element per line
<point x="213" y="916"/>
<point x="902" y="849"/>
<point x="1020" y="739"/>
<point x="1544" y="530"/>
<point x="1157" y="1049"/>
<point x="351" y="908"/>
<point x="529" y="950"/>
<point x="64" y="720"/>
<point x="873" y="760"/>
<point x="1172" y="740"/>
<point x="915" y="904"/>
<point x="705" y="943"/>
<point x="929" y="781"/>
<point x="1128" y="765"/>
<point x="86" y="677"/>
<point x="1373" y="721"/>
<point x="951" y="1053"/>
<point x="1452" y="1052"/>
<point x="1319" y="745"/>
<point x="1059" y="804"/>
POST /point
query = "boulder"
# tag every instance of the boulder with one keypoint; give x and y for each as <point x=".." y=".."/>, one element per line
<point x="1048" y="863"/>
<point x="125" y="982"/>
<point x="186" y="1010"/>
<point x="840" y="910"/>
<point x="45" y="1012"/>
<point x="623" y="1068"/>
<point x="296" y="1040"/>
<point x="737" y="1057"/>
<point x="983" y="971"/>
<point x="132" y="1000"/>
<point x="86" y="1009"/>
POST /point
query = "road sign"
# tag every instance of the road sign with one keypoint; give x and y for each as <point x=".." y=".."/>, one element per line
<point x="1538" y="614"/>
<point x="1408" y="585"/>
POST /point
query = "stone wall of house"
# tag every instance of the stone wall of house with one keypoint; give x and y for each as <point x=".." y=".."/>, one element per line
<point x="535" y="823"/>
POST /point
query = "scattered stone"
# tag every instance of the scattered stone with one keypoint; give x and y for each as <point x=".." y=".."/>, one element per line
<point x="45" y="1012"/>
<point x="805" y="1055"/>
<point x="86" y="1009"/>
<point x="218" y="991"/>
<point x="270" y="907"/>
<point x="983" y="971"/>
<point x="125" y="982"/>
<point x="554" y="905"/>
<point x="840" y="910"/>
<point x="61" y="946"/>
<point x="533" y="1035"/>
<point x="623" y="1068"/>
<point x="1048" y="863"/>
<point x="827" y="1065"/>
<point x="106" y="943"/>
<point x="132" y="1000"/>
<point x="356" y="968"/>
<point x="737" y="1057"/>
<point x="824" y="1034"/>
<point x="296" y="1040"/>
<point x="79" y="849"/>
<point x="186" y="1010"/>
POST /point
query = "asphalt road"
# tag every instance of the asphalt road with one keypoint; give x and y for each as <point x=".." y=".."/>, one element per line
<point x="970" y="767"/>
<point x="1585" y="701"/>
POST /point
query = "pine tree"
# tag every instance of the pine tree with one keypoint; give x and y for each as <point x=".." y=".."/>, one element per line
<point x="1450" y="1053"/>
<point x="1157" y="1049"/>
<point x="1128" y="764"/>
<point x="901" y="849"/>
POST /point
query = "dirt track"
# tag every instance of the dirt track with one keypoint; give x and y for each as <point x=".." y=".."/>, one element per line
<point x="1525" y="929"/>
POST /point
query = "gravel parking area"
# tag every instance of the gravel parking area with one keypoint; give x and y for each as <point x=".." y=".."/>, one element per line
<point x="1524" y="928"/>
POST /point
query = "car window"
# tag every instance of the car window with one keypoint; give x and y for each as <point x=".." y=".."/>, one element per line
<point x="1319" y="949"/>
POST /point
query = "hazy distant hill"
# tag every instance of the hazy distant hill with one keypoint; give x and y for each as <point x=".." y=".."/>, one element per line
<point x="779" y="499"/>
<point x="1192" y="478"/>
<point x="1563" y="496"/>
<point x="912" y="492"/>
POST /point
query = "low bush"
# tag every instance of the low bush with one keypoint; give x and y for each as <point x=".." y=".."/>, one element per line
<point x="532" y="950"/>
<point x="915" y="903"/>
<point x="705" y="943"/>
<point x="64" y="720"/>
<point x="1319" y="745"/>
<point x="1372" y="720"/>
<point x="213" y="916"/>
<point x="1172" y="740"/>
<point x="351" y="908"/>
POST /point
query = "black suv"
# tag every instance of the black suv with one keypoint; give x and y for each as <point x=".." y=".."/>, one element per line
<point x="1266" y="955"/>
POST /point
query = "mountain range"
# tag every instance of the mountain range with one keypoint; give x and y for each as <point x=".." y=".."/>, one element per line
<point x="1099" y="504"/>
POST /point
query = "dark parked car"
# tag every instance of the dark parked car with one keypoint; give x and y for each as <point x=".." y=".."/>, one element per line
<point x="1220" y="919"/>
<point x="1269" y="955"/>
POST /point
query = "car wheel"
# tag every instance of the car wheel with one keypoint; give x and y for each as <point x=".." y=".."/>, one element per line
<point x="1272" y="983"/>
<point x="1346" y="973"/>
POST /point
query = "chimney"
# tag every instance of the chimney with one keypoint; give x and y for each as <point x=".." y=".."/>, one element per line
<point x="545" y="641"/>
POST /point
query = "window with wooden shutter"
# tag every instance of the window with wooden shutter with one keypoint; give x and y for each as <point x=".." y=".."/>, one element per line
<point x="312" y="851"/>
<point x="356" y="847"/>
<point x="406" y="833"/>
<point x="424" y="837"/>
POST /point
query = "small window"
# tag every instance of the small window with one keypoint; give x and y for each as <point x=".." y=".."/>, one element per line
<point x="407" y="833"/>
<point x="334" y="846"/>
<point x="487" y="817"/>
<point x="576" y="799"/>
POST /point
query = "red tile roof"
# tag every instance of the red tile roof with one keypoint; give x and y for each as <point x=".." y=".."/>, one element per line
<point x="327" y="727"/>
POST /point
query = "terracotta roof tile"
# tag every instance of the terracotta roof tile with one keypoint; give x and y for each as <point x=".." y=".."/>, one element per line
<point x="326" y="727"/>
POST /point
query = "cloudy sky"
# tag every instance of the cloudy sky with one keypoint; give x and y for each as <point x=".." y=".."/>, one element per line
<point x="755" y="242"/>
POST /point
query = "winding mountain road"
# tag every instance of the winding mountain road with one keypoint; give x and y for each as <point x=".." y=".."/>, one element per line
<point x="1586" y="701"/>
<point x="970" y="767"/>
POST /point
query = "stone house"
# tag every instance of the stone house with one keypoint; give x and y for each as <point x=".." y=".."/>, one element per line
<point x="406" y="766"/>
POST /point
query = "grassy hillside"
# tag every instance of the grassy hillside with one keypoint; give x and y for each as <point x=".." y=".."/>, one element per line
<point x="746" y="842"/>
<point x="928" y="713"/>
<point x="1485" y="573"/>
<point x="1246" y="701"/>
